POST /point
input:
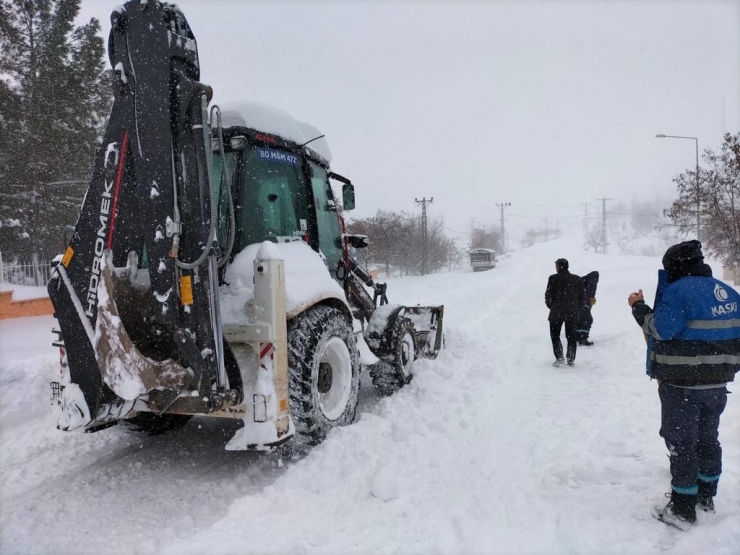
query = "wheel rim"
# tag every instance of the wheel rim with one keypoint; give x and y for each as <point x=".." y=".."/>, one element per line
<point x="407" y="354"/>
<point x="335" y="390"/>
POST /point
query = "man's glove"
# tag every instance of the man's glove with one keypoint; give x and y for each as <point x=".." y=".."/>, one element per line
<point x="592" y="301"/>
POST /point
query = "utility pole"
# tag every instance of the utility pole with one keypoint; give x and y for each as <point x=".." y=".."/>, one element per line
<point x="585" y="216"/>
<point x="424" y="203"/>
<point x="502" y="240"/>
<point x="603" y="224"/>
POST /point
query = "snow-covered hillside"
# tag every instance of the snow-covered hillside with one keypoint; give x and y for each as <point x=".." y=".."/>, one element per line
<point x="489" y="450"/>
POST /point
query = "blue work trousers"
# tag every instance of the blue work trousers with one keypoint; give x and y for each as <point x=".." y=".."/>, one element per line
<point x="584" y="326"/>
<point x="690" y="428"/>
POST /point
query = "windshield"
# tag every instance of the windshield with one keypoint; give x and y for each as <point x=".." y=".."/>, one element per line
<point x="272" y="198"/>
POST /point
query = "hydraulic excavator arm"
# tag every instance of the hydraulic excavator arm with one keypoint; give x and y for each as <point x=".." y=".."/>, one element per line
<point x="136" y="293"/>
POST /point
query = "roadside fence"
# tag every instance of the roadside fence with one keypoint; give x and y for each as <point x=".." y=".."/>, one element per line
<point x="33" y="274"/>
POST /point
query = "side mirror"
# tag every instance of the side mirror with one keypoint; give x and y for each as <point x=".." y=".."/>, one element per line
<point x="67" y="234"/>
<point x="348" y="191"/>
<point x="348" y="196"/>
<point x="358" y="241"/>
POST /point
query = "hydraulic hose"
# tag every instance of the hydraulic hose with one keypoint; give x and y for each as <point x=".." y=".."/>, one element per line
<point x="212" y="236"/>
<point x="225" y="185"/>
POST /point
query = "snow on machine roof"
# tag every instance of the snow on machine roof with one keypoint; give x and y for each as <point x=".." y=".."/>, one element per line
<point x="269" y="119"/>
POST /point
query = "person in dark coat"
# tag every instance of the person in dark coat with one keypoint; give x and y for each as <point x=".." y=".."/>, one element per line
<point x="590" y="281"/>
<point x="693" y="351"/>
<point x="564" y="297"/>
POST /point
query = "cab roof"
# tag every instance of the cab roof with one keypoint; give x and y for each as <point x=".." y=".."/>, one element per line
<point x="274" y="121"/>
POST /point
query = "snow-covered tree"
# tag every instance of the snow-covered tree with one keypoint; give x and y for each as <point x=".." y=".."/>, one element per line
<point x="54" y="98"/>
<point x="396" y="241"/>
<point x="719" y="196"/>
<point x="482" y="239"/>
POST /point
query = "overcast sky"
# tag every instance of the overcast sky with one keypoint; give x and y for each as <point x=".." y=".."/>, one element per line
<point x="544" y="104"/>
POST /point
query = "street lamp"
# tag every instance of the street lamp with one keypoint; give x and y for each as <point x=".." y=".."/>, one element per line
<point x="698" y="202"/>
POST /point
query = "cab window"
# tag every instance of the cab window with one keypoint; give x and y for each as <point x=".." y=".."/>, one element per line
<point x="330" y="232"/>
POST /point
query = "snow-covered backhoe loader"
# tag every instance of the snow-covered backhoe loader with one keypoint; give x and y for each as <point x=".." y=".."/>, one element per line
<point x="209" y="272"/>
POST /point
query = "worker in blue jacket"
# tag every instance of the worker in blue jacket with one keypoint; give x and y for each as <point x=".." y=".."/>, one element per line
<point x="583" y="329"/>
<point x="693" y="351"/>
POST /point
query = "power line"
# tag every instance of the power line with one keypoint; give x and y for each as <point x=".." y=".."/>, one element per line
<point x="456" y="231"/>
<point x="595" y="216"/>
<point x="540" y="217"/>
<point x="555" y="205"/>
<point x="547" y="205"/>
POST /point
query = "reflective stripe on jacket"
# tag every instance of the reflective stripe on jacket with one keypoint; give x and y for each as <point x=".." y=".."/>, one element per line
<point x="694" y="332"/>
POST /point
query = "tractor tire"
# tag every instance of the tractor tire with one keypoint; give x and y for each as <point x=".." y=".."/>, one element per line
<point x="393" y="371"/>
<point x="156" y="425"/>
<point x="324" y="369"/>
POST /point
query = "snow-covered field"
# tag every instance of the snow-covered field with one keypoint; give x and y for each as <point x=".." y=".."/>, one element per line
<point x="489" y="450"/>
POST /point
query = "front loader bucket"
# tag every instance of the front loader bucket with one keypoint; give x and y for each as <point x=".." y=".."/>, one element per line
<point x="427" y="322"/>
<point x="124" y="369"/>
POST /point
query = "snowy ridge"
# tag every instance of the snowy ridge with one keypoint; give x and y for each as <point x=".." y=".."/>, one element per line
<point x="489" y="450"/>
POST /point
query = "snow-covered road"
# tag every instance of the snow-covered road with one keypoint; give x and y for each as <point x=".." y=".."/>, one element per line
<point x="489" y="450"/>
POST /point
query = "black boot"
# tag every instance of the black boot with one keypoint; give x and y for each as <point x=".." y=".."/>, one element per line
<point x="705" y="499"/>
<point x="680" y="510"/>
<point x="570" y="354"/>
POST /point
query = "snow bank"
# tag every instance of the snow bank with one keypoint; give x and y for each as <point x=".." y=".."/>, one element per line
<point x="24" y="338"/>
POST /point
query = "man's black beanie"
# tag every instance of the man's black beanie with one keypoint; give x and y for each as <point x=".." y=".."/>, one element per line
<point x="682" y="258"/>
<point x="561" y="264"/>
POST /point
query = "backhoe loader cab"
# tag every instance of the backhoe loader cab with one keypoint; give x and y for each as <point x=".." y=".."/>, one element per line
<point x="209" y="272"/>
<point x="282" y="188"/>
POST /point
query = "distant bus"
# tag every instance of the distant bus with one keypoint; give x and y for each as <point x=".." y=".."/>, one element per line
<point x="482" y="259"/>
